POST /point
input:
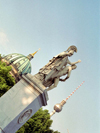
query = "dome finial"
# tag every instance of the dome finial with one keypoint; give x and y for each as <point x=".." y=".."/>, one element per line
<point x="35" y="52"/>
<point x="30" y="56"/>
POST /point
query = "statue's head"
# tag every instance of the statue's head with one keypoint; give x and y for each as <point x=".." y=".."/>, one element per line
<point x="74" y="67"/>
<point x="72" y="48"/>
<point x="71" y="52"/>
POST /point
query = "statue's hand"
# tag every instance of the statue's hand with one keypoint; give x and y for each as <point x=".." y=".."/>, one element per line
<point x="79" y="60"/>
<point x="61" y="79"/>
<point x="64" y="79"/>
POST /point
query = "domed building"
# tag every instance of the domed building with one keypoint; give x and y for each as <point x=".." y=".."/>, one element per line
<point x="20" y="64"/>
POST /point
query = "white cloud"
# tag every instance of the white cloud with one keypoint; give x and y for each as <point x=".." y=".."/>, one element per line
<point x="5" y="46"/>
<point x="3" y="39"/>
<point x="4" y="43"/>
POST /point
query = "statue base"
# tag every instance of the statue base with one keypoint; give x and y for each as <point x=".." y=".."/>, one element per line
<point x="20" y="103"/>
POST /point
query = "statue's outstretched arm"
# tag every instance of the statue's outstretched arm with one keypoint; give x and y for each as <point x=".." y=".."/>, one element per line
<point x="73" y="63"/>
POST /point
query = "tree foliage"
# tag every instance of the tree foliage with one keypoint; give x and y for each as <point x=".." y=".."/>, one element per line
<point x="6" y="80"/>
<point x="39" y="123"/>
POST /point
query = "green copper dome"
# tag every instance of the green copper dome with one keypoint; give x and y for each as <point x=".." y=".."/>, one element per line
<point x="20" y="64"/>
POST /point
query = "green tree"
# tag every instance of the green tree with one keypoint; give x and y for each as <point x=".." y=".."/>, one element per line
<point x="6" y="80"/>
<point x="39" y="123"/>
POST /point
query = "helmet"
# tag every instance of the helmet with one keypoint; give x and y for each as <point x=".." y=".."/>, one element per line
<point x="72" y="48"/>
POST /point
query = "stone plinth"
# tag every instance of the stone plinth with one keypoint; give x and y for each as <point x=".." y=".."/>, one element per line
<point x="20" y="103"/>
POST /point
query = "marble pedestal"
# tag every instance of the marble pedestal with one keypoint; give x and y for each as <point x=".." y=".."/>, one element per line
<point x="20" y="103"/>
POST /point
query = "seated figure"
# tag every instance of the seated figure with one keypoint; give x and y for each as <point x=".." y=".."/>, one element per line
<point x="50" y="74"/>
<point x="57" y="62"/>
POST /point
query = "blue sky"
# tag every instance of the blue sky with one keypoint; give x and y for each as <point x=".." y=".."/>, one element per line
<point x="54" y="25"/>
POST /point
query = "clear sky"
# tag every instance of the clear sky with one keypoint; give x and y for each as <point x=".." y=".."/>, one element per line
<point x="54" y="25"/>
